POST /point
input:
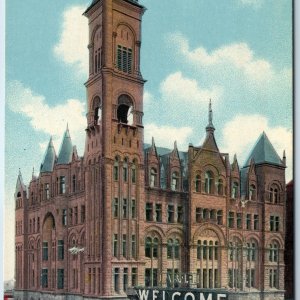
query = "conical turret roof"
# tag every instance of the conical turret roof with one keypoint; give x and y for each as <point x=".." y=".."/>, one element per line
<point x="66" y="149"/>
<point x="264" y="152"/>
<point x="49" y="159"/>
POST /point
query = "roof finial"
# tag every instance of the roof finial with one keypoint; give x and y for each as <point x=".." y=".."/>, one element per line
<point x="175" y="145"/>
<point x="152" y="142"/>
<point x="210" y="126"/>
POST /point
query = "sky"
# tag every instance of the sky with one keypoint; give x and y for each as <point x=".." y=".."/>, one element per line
<point x="238" y="53"/>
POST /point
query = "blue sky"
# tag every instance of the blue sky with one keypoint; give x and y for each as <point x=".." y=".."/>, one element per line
<point x="236" y="52"/>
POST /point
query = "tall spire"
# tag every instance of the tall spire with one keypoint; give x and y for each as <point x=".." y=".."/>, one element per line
<point x="210" y="127"/>
<point x="66" y="149"/>
<point x="49" y="159"/>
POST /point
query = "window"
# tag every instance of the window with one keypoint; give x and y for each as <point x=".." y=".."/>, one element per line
<point x="234" y="192"/>
<point x="74" y="184"/>
<point x="274" y="223"/>
<point x="125" y="279"/>
<point x="149" y="212"/>
<point x="252" y="192"/>
<point x="82" y="214"/>
<point x="251" y="251"/>
<point x="124" y="245"/>
<point x="116" y="279"/>
<point x="47" y="191"/>
<point x="231" y="219"/>
<point x="133" y="174"/>
<point x="38" y="224"/>
<point x="134" y="277"/>
<point x="198" y="183"/>
<point x="256" y="222"/>
<point x="151" y="247"/>
<point x="76" y="215"/>
<point x="175" y="181"/>
<point x="179" y="214"/>
<point x="124" y="59"/>
<point x="71" y="216"/>
<point x="248" y="221"/>
<point x="60" y="278"/>
<point x="133" y="246"/>
<point x="151" y="277"/>
<point x="199" y="214"/>
<point x="220" y="217"/>
<point x="273" y="278"/>
<point x="153" y="177"/>
<point x="158" y="212"/>
<point x="62" y="185"/>
<point x="173" y="248"/>
<point x="170" y="213"/>
<point x="133" y="209"/>
<point x="115" y="245"/>
<point x="116" y="208"/>
<point x="250" y="278"/>
<point x="125" y="208"/>
<point x="116" y="169"/>
<point x="274" y="194"/>
<point x="60" y="249"/>
<point x="98" y="60"/>
<point x="208" y="185"/>
<point x="64" y="217"/>
<point x="205" y="214"/>
<point x="220" y="187"/>
<point x="273" y="252"/>
<point x="239" y="220"/>
<point x="44" y="278"/>
<point x="125" y="171"/>
<point x="45" y="251"/>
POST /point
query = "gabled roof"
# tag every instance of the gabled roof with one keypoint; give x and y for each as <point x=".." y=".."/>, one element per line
<point x="49" y="159"/>
<point x="66" y="149"/>
<point x="264" y="152"/>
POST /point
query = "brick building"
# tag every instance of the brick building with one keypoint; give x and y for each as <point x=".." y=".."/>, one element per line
<point x="130" y="214"/>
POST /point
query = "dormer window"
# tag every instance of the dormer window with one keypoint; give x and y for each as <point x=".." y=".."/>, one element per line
<point x="175" y="181"/>
<point x="234" y="191"/>
<point x="252" y="192"/>
<point x="153" y="177"/>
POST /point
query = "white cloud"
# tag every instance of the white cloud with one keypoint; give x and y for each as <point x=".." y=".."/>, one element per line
<point x="176" y="87"/>
<point x="165" y="136"/>
<point x="148" y="98"/>
<point x="232" y="58"/>
<point x="240" y="134"/>
<point x="51" y="120"/>
<point x="72" y="46"/>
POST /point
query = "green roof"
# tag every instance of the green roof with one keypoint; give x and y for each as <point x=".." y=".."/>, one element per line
<point x="49" y="159"/>
<point x="264" y="152"/>
<point x="66" y="150"/>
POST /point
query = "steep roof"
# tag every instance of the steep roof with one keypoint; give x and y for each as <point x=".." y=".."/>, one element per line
<point x="66" y="149"/>
<point x="20" y="184"/>
<point x="264" y="152"/>
<point x="49" y="159"/>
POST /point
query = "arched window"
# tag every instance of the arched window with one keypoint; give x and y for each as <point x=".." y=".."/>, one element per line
<point x="133" y="172"/>
<point x="208" y="182"/>
<point x="198" y="183"/>
<point x="173" y="249"/>
<point x="151" y="247"/>
<point x="74" y="183"/>
<point x="220" y="187"/>
<point x="274" y="195"/>
<point x="153" y="177"/>
<point x="125" y="110"/>
<point x="116" y="168"/>
<point x="251" y="251"/>
<point x="125" y="170"/>
<point x="175" y="181"/>
<point x="97" y="110"/>
<point x="199" y="248"/>
<point x="273" y="252"/>
<point x="220" y="217"/>
<point x="252" y="192"/>
<point x="234" y="192"/>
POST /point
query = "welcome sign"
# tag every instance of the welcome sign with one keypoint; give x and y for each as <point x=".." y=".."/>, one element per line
<point x="177" y="294"/>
